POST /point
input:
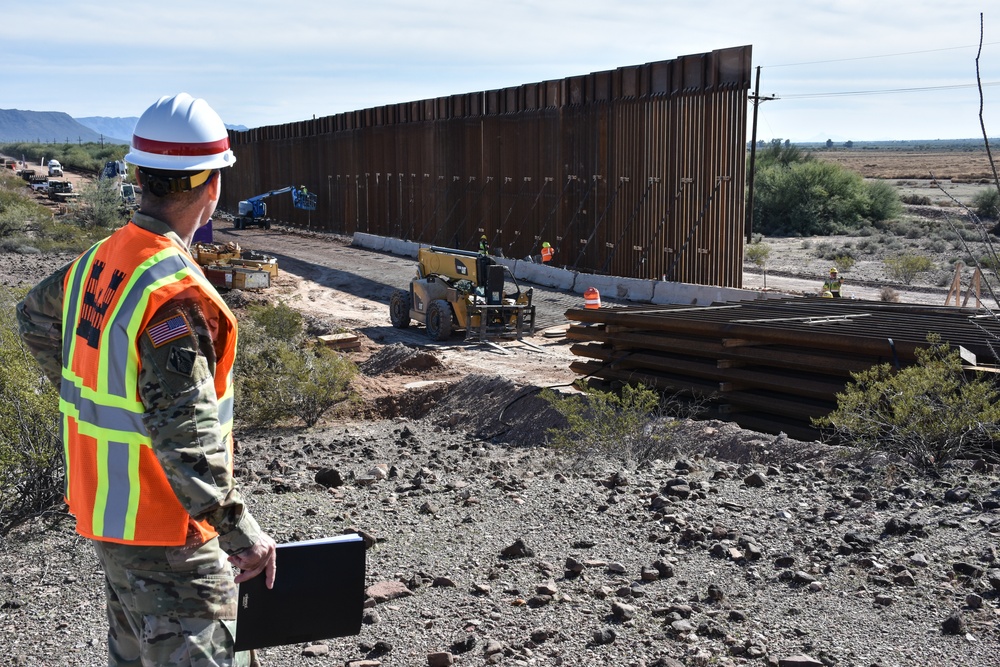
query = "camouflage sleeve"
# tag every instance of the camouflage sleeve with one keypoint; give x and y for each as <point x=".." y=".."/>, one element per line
<point x="182" y="415"/>
<point x="39" y="319"/>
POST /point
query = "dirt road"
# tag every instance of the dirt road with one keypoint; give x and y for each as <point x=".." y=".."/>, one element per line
<point x="351" y="287"/>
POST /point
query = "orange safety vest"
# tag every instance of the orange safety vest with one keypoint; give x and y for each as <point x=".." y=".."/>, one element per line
<point x="547" y="253"/>
<point x="115" y="486"/>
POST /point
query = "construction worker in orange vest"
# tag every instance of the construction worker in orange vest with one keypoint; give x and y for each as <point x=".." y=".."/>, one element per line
<point x="547" y="252"/>
<point x="142" y="348"/>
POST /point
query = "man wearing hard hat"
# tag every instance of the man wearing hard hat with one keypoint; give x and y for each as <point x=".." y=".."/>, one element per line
<point x="142" y="347"/>
<point x="833" y="284"/>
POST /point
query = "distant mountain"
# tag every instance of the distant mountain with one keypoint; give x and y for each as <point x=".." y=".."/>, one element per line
<point x="111" y="127"/>
<point x="45" y="127"/>
<point x="122" y="127"/>
<point x="56" y="127"/>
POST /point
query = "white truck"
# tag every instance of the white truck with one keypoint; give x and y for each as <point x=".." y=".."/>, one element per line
<point x="55" y="169"/>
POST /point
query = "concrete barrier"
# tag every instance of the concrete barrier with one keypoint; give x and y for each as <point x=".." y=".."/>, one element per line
<point x="669" y="293"/>
<point x="370" y="241"/>
<point x="637" y="290"/>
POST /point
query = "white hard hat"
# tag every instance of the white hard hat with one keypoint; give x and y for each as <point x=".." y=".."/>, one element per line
<point x="180" y="133"/>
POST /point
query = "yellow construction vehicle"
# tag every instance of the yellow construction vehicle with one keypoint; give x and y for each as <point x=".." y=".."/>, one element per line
<point x="459" y="289"/>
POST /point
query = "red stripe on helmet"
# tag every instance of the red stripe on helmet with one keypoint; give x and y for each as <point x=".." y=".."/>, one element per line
<point x="173" y="148"/>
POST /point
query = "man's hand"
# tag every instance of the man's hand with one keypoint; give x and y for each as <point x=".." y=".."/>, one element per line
<point x="258" y="558"/>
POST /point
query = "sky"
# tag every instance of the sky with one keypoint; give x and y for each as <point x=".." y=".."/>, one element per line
<point x="843" y="70"/>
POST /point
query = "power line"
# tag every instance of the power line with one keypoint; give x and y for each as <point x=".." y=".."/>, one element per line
<point x="889" y="91"/>
<point x="885" y="55"/>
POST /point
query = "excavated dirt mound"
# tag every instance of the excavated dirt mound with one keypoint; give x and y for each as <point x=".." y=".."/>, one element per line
<point x="400" y="359"/>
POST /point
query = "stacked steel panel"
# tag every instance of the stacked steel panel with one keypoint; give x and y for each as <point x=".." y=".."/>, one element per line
<point x="769" y="365"/>
<point x="636" y="172"/>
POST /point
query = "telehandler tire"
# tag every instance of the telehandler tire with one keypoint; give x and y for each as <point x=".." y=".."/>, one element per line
<point x="439" y="320"/>
<point x="399" y="309"/>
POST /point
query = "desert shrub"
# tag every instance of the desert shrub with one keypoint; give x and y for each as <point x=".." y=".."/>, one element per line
<point x="757" y="253"/>
<point x="986" y="204"/>
<point x="823" y="249"/>
<point x="18" y="209"/>
<point x="844" y="262"/>
<point x="938" y="245"/>
<point x="868" y="246"/>
<point x="279" y="321"/>
<point x="278" y="377"/>
<point x="921" y="200"/>
<point x="806" y="244"/>
<point x="882" y="201"/>
<point x="630" y="425"/>
<point x="100" y="205"/>
<point x="989" y="261"/>
<point x="815" y="198"/>
<point x="888" y="295"/>
<point x="907" y="266"/>
<point x="31" y="471"/>
<point x="928" y="413"/>
<point x="969" y="234"/>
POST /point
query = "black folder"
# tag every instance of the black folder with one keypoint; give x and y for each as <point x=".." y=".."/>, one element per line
<point x="319" y="593"/>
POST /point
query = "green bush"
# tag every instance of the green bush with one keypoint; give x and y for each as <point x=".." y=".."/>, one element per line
<point x="629" y="426"/>
<point x="278" y="378"/>
<point x="844" y="262"/>
<point x="279" y="321"/>
<point x="921" y="200"/>
<point x="986" y="204"/>
<point x="18" y="209"/>
<point x="31" y="470"/>
<point x="928" y="413"/>
<point x="757" y="253"/>
<point x="101" y="205"/>
<point x="907" y="266"/>
<point x="816" y="198"/>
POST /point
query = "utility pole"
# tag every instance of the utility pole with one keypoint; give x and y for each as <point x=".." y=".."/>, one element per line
<point x="757" y="99"/>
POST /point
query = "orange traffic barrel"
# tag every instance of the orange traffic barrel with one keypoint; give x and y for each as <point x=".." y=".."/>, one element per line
<point x="591" y="298"/>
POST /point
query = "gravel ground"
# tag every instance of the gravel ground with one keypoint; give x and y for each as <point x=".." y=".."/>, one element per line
<point x="737" y="548"/>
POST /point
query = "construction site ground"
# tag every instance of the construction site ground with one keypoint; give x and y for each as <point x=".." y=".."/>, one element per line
<point x="324" y="276"/>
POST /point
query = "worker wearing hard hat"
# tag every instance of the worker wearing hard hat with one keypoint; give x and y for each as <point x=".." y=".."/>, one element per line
<point x="142" y="349"/>
<point x="484" y="245"/>
<point x="833" y="284"/>
<point x="547" y="252"/>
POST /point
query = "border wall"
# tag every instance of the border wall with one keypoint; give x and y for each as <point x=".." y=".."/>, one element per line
<point x="635" y="172"/>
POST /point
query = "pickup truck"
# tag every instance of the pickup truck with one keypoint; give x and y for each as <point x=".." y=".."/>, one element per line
<point x="39" y="184"/>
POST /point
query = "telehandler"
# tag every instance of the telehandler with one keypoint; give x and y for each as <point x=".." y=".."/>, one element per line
<point x="460" y="289"/>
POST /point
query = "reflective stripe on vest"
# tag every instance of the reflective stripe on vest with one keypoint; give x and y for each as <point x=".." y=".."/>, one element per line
<point x="115" y="486"/>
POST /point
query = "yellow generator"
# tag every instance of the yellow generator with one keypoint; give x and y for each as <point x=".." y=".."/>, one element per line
<point x="459" y="289"/>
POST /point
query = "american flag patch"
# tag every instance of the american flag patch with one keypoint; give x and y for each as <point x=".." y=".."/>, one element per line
<point x="168" y="330"/>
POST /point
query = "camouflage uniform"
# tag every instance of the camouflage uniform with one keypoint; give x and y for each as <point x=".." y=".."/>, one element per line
<point x="167" y="605"/>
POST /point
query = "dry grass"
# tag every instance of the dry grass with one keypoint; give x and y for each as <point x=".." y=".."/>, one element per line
<point x="966" y="166"/>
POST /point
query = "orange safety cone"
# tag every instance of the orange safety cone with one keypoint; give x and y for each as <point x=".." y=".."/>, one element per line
<point x="591" y="298"/>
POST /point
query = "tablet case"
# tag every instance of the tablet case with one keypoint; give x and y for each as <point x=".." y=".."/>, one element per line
<point x="319" y="593"/>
